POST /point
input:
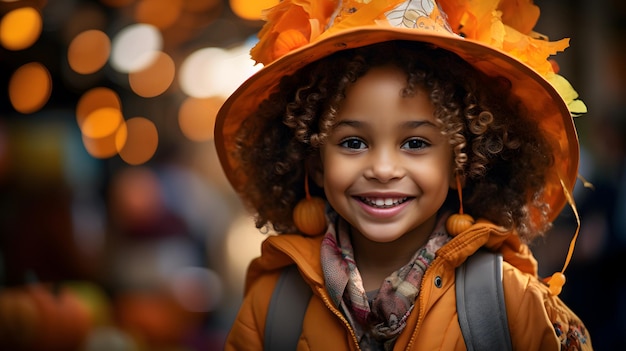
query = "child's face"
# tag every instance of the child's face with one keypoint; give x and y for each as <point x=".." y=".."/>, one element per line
<point x="387" y="168"/>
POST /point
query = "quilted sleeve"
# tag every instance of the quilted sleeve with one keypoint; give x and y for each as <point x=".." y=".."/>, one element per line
<point x="537" y="320"/>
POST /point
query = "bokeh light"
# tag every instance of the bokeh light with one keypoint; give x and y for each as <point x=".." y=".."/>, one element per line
<point x="215" y="71"/>
<point x="204" y="72"/>
<point x="106" y="146"/>
<point x="196" y="117"/>
<point x="251" y="9"/>
<point x="94" y="99"/>
<point x="89" y="51"/>
<point x="159" y="13"/>
<point x="30" y="87"/>
<point x="103" y="130"/>
<point x="141" y="141"/>
<point x="155" y="78"/>
<point x="135" y="47"/>
<point x="102" y="122"/>
<point x="20" y="28"/>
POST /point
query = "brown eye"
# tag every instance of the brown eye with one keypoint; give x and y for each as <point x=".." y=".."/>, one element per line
<point x="414" y="144"/>
<point x="353" y="143"/>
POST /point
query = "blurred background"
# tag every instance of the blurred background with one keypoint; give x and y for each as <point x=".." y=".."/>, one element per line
<point x="118" y="229"/>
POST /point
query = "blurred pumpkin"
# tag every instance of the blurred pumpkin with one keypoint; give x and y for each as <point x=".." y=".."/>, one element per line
<point x="95" y="299"/>
<point x="18" y="319"/>
<point x="39" y="317"/>
<point x="154" y="318"/>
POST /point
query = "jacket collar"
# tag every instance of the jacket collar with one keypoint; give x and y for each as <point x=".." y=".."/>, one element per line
<point x="495" y="238"/>
<point x="279" y="251"/>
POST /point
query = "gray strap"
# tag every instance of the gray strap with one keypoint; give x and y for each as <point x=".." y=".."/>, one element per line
<point x="283" y="325"/>
<point x="480" y="303"/>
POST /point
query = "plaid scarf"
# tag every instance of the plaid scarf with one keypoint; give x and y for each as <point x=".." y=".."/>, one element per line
<point x="379" y="323"/>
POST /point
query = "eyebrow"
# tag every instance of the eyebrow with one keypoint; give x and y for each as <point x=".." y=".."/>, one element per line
<point x="417" y="124"/>
<point x="404" y="125"/>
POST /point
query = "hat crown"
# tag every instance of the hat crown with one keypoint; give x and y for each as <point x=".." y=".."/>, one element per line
<point x="418" y="14"/>
<point x="423" y="14"/>
<point x="293" y="23"/>
<point x="503" y="25"/>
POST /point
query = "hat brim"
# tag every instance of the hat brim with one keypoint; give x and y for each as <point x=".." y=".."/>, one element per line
<point x="545" y="105"/>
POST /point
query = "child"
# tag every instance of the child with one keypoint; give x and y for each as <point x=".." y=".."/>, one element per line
<point x="398" y="122"/>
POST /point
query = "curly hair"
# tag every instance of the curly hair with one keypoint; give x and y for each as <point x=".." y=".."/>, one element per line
<point x="501" y="155"/>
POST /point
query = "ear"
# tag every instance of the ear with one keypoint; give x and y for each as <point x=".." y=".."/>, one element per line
<point x="316" y="169"/>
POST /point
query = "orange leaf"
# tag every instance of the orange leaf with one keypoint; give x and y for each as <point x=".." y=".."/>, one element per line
<point x="521" y="15"/>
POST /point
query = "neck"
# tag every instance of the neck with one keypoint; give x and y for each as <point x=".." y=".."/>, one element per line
<point x="377" y="260"/>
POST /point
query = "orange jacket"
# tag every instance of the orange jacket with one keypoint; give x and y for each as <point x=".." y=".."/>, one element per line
<point x="433" y="323"/>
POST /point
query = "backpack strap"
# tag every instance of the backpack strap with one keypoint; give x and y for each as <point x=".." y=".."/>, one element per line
<point x="285" y="314"/>
<point x="480" y="302"/>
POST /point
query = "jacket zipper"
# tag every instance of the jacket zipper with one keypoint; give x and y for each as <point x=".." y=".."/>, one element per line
<point x="338" y="313"/>
<point x="420" y="302"/>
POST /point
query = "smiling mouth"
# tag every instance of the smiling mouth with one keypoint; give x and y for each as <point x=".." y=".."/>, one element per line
<point x="379" y="202"/>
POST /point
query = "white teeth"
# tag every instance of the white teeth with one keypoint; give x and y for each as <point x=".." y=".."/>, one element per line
<point x="383" y="202"/>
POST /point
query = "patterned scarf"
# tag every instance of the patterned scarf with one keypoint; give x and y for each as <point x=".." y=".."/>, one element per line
<point x="379" y="323"/>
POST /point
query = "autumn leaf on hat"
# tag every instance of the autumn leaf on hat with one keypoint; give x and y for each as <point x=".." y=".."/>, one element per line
<point x="508" y="25"/>
<point x="290" y="25"/>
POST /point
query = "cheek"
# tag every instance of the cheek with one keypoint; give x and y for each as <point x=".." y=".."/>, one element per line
<point x="336" y="173"/>
<point x="438" y="174"/>
<point x="334" y="184"/>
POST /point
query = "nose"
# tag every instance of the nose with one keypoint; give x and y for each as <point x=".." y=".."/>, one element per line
<point x="384" y="166"/>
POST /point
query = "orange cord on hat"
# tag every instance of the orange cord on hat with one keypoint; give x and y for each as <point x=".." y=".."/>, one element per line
<point x="557" y="280"/>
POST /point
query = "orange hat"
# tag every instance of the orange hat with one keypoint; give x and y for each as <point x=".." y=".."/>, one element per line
<point x="495" y="36"/>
